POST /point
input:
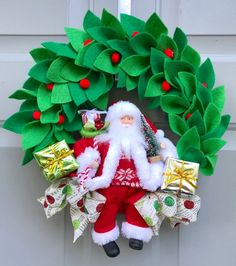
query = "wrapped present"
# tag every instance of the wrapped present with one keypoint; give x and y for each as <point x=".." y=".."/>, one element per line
<point x="93" y="122"/>
<point x="180" y="176"/>
<point x="56" y="161"/>
<point x="85" y="207"/>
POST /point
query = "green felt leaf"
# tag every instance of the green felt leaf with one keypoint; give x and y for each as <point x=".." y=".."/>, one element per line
<point x="142" y="83"/>
<point x="132" y="24"/>
<point x="189" y="83"/>
<point x="72" y="72"/>
<point x="104" y="63"/>
<point x="194" y="155"/>
<point x="218" y="97"/>
<point x="44" y="98"/>
<point x="191" y="108"/>
<point x="39" y="71"/>
<point x="63" y="135"/>
<point x="33" y="133"/>
<point x="97" y="86"/>
<point x="78" y="95"/>
<point x="189" y="139"/>
<point x="103" y="34"/>
<point x="91" y="54"/>
<point x="79" y="60"/>
<point x="208" y="169"/>
<point x="155" y="26"/>
<point x="109" y="82"/>
<point x="23" y="94"/>
<point x="70" y="109"/>
<point x="91" y="20"/>
<point x="28" y="156"/>
<point x="76" y="37"/>
<point x="47" y="141"/>
<point x="121" y="46"/>
<point x="206" y="74"/>
<point x="142" y="43"/>
<point x="220" y="130"/>
<point x="166" y="42"/>
<point x="74" y="125"/>
<point x="197" y="121"/>
<point x="154" y="103"/>
<point x="177" y="124"/>
<point x="154" y="86"/>
<point x="158" y="59"/>
<point x="121" y="79"/>
<point x="29" y="105"/>
<point x="172" y="68"/>
<point x="180" y="39"/>
<point x="51" y="115"/>
<point x="191" y="56"/>
<point x="31" y="84"/>
<point x="211" y="117"/>
<point x="17" y="121"/>
<point x="102" y="102"/>
<point x="54" y="46"/>
<point x="212" y="146"/>
<point x="61" y="94"/>
<point x="131" y="83"/>
<point x="55" y="69"/>
<point x="204" y="95"/>
<point x="135" y="65"/>
<point x="111" y="21"/>
<point x="67" y="51"/>
<point x="41" y="54"/>
<point x="173" y="104"/>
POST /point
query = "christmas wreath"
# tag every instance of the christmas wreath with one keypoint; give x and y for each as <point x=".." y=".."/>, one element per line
<point x="79" y="75"/>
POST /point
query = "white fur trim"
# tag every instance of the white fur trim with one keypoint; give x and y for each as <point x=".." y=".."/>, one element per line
<point x="169" y="151"/>
<point x="104" y="238"/>
<point x="86" y="158"/>
<point x="156" y="177"/>
<point x="160" y="134"/>
<point x="132" y="231"/>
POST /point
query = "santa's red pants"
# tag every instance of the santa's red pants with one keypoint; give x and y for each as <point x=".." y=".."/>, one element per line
<point x="120" y="199"/>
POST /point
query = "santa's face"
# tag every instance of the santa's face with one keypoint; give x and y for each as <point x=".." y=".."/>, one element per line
<point x="127" y="120"/>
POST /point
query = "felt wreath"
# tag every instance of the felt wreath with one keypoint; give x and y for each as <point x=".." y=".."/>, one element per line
<point x="138" y="56"/>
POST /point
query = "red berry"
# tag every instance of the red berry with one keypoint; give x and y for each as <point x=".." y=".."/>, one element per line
<point x="188" y="116"/>
<point x="188" y="204"/>
<point x="115" y="58"/>
<point x="87" y="41"/>
<point x="61" y="119"/>
<point x="50" y="199"/>
<point x="84" y="84"/>
<point x="135" y="33"/>
<point x="204" y="84"/>
<point x="80" y="203"/>
<point x="165" y="85"/>
<point x="45" y="205"/>
<point x="100" y="207"/>
<point x="50" y="86"/>
<point x="169" y="53"/>
<point x="36" y="115"/>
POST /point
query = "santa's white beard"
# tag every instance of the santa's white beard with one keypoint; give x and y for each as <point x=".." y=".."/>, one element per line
<point x="125" y="137"/>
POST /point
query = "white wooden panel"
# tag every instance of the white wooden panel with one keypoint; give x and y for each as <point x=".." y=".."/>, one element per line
<point x="27" y="237"/>
<point x="111" y="6"/>
<point x="212" y="240"/>
<point x="77" y="10"/>
<point x="201" y="17"/>
<point x="33" y="17"/>
<point x="143" y="10"/>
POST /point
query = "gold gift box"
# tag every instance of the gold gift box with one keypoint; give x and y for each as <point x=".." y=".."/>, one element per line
<point x="56" y="161"/>
<point x="180" y="176"/>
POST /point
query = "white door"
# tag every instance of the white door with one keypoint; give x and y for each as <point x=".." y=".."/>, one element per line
<point x="26" y="237"/>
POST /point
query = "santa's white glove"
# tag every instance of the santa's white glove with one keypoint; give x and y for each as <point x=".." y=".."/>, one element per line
<point x="155" y="178"/>
<point x="97" y="183"/>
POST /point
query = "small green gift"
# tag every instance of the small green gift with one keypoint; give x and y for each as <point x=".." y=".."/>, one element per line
<point x="56" y="161"/>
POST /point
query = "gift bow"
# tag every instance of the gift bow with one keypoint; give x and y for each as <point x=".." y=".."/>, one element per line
<point x="85" y="206"/>
<point x="181" y="174"/>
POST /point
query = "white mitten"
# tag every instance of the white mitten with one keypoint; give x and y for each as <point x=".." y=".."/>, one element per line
<point x="97" y="183"/>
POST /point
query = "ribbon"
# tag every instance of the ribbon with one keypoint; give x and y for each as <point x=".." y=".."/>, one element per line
<point x="85" y="207"/>
<point x="181" y="174"/>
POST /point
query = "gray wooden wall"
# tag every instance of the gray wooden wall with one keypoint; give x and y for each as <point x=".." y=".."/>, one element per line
<point x="26" y="237"/>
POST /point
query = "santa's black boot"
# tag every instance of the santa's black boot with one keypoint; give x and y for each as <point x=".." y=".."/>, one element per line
<point x="136" y="244"/>
<point x="112" y="250"/>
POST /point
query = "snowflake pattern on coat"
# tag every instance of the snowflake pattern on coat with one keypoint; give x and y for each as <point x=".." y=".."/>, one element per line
<point x="126" y="177"/>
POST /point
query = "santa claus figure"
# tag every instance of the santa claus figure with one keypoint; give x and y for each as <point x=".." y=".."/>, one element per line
<point x="122" y="173"/>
